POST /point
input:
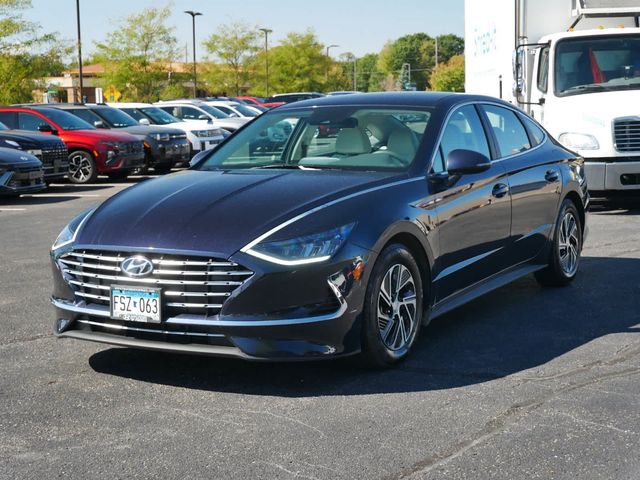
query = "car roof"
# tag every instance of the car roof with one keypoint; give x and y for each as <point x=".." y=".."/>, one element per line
<point x="130" y="104"/>
<point x="398" y="99"/>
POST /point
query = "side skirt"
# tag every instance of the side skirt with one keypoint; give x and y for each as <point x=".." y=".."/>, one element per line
<point x="485" y="286"/>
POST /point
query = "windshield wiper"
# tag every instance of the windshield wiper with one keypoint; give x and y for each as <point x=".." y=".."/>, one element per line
<point x="586" y="88"/>
<point x="284" y="166"/>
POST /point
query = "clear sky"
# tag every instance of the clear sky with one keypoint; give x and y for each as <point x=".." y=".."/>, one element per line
<point x="358" y="26"/>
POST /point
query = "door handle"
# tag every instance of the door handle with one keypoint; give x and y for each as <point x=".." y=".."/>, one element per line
<point x="552" y="176"/>
<point x="500" y="190"/>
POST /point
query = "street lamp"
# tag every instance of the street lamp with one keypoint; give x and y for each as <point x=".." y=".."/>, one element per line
<point x="193" y="22"/>
<point x="79" y="50"/>
<point x="326" y="74"/>
<point x="266" y="32"/>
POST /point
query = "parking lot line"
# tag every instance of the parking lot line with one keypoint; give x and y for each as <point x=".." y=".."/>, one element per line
<point x="12" y="209"/>
<point x="58" y="195"/>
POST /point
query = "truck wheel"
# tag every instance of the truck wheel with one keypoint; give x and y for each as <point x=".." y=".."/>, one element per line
<point x="82" y="167"/>
<point x="393" y="308"/>
<point x="566" y="249"/>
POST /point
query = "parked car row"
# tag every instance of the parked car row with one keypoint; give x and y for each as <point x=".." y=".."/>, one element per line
<point x="82" y="141"/>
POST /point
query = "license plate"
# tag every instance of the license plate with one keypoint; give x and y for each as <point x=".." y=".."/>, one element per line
<point x="136" y="304"/>
<point x="209" y="145"/>
<point x="35" y="175"/>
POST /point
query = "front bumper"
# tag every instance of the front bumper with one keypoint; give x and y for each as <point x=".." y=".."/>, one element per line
<point x="170" y="153"/>
<point x="606" y="174"/>
<point x="276" y="315"/>
<point x="17" y="182"/>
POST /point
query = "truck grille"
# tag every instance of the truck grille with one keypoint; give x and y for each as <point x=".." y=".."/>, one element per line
<point x="626" y="134"/>
<point x="196" y="286"/>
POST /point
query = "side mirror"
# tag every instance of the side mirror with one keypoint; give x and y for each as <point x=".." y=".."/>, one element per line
<point x="203" y="117"/>
<point x="198" y="156"/>
<point x="46" y="128"/>
<point x="144" y="121"/>
<point x="99" y="124"/>
<point x="465" y="162"/>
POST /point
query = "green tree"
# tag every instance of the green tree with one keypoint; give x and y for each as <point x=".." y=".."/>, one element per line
<point x="449" y="77"/>
<point x="26" y="54"/>
<point x="370" y="78"/>
<point x="235" y="45"/>
<point x="138" y="54"/>
<point x="298" y="64"/>
<point x="416" y="50"/>
<point x="449" y="46"/>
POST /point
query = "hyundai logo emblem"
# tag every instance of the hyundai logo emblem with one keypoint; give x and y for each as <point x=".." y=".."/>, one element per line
<point x="137" y="266"/>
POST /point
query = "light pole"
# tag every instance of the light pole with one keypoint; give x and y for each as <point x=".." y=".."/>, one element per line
<point x="193" y="23"/>
<point x="326" y="75"/>
<point x="355" y="73"/>
<point x="79" y="50"/>
<point x="266" y="32"/>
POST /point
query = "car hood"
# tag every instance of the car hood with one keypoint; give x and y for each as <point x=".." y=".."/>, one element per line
<point x="17" y="158"/>
<point x="232" y="122"/>
<point x="31" y="140"/>
<point x="212" y="211"/>
<point x="144" y="130"/>
<point x="104" y="135"/>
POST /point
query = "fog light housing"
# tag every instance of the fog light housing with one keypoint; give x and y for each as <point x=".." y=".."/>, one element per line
<point x="62" y="324"/>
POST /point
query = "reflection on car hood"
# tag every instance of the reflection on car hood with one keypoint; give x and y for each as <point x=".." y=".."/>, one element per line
<point x="217" y="212"/>
<point x="17" y="158"/>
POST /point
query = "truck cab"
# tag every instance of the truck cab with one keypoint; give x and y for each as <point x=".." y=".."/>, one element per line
<point x="584" y="90"/>
<point x="574" y="65"/>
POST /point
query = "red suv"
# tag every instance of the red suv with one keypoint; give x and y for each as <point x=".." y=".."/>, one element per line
<point x="91" y="151"/>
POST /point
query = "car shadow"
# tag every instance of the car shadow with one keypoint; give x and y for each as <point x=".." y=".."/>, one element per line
<point x="515" y="328"/>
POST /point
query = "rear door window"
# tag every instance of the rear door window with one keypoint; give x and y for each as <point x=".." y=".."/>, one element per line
<point x="510" y="134"/>
<point x="464" y="131"/>
<point x="10" y="119"/>
<point x="29" y="121"/>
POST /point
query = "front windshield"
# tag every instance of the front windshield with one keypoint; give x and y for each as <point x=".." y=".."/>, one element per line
<point x="66" y="120"/>
<point x="213" y="111"/>
<point x="116" y="118"/>
<point x="594" y="64"/>
<point x="327" y="138"/>
<point x="245" y="111"/>
<point x="159" y="116"/>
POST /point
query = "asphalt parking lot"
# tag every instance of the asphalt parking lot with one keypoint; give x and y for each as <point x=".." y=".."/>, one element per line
<point x="523" y="383"/>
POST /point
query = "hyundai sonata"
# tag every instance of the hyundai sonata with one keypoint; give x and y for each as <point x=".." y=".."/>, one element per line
<point x="327" y="227"/>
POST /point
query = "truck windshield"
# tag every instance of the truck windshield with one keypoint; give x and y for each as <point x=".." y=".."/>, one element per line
<point x="594" y="64"/>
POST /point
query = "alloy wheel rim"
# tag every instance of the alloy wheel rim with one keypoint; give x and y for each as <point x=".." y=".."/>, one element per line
<point x="569" y="244"/>
<point x="397" y="303"/>
<point x="79" y="167"/>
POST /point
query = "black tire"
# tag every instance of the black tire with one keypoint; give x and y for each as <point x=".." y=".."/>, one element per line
<point x="563" y="267"/>
<point x="82" y="167"/>
<point x="382" y="352"/>
<point x="119" y="174"/>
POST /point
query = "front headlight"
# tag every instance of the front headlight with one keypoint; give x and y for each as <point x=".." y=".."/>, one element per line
<point x="204" y="133"/>
<point x="579" y="141"/>
<point x="314" y="248"/>
<point x="162" y="137"/>
<point x="69" y="233"/>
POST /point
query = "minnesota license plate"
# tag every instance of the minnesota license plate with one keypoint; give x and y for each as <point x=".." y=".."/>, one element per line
<point x="136" y="304"/>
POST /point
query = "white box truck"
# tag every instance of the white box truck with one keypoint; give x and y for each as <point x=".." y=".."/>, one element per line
<point x="574" y="65"/>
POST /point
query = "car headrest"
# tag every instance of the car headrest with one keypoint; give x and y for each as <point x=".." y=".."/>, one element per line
<point x="403" y="144"/>
<point x="352" y="141"/>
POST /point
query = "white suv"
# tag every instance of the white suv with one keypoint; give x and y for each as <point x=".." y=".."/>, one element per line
<point x="197" y="110"/>
<point x="234" y="109"/>
<point x="201" y="135"/>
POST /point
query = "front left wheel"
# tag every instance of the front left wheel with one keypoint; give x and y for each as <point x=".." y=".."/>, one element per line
<point x="393" y="308"/>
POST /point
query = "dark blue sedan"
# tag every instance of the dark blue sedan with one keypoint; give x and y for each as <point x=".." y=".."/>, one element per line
<point x="324" y="228"/>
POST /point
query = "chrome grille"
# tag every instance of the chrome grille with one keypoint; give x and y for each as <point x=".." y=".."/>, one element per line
<point x="193" y="285"/>
<point x="626" y="133"/>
